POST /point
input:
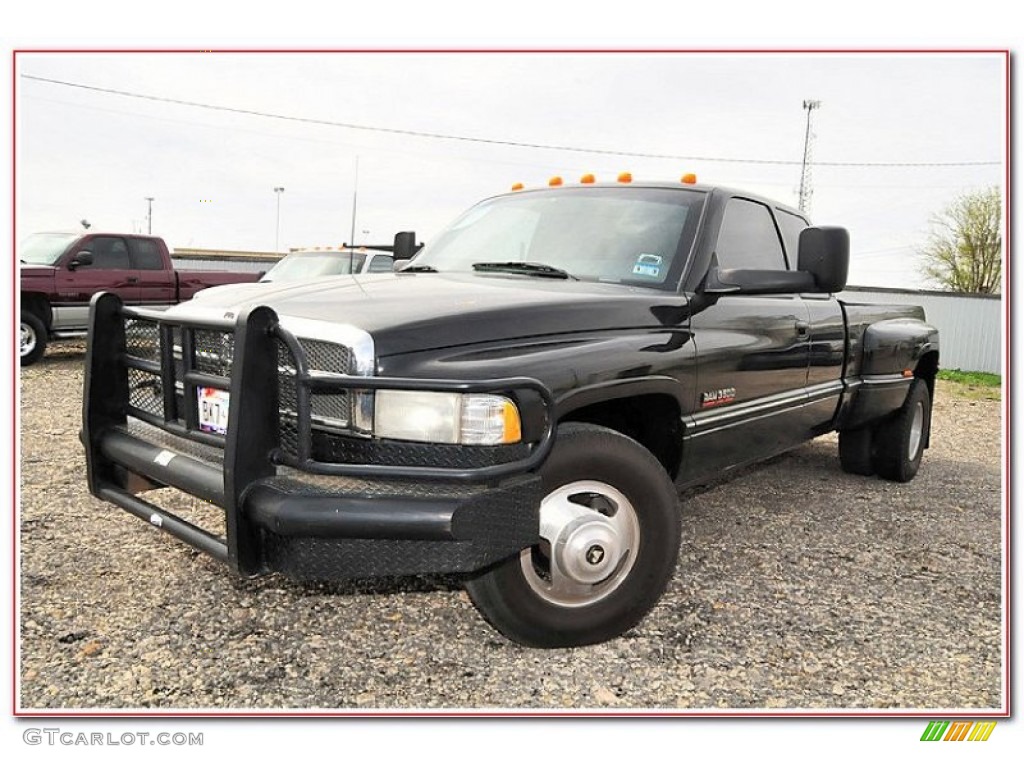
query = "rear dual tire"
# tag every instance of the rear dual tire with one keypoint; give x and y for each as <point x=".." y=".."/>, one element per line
<point x="901" y="439"/>
<point x="893" y="448"/>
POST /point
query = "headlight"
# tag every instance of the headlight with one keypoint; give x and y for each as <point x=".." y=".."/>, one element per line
<point x="442" y="417"/>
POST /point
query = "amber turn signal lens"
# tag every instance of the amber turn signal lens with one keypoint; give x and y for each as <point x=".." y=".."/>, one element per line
<point x="513" y="429"/>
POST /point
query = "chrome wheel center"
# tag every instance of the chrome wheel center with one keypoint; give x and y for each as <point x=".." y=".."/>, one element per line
<point x="28" y="339"/>
<point x="586" y="549"/>
<point x="916" y="431"/>
<point x="590" y="535"/>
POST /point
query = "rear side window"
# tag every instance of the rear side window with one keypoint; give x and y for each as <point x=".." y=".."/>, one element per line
<point x="748" y="239"/>
<point x="791" y="226"/>
<point x="108" y="253"/>
<point x="146" y="254"/>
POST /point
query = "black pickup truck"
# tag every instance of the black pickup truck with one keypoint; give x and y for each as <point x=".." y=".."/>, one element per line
<point x="519" y="403"/>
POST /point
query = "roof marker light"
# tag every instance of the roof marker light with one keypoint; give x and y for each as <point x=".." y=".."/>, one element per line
<point x="625" y="177"/>
<point x="555" y="181"/>
<point x="689" y="178"/>
<point x="587" y="178"/>
<point x="517" y="186"/>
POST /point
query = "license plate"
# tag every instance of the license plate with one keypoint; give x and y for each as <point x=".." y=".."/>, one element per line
<point x="213" y="410"/>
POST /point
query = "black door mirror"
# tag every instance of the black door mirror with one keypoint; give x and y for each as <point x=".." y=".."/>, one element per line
<point x="758" y="281"/>
<point x="405" y="245"/>
<point x="82" y="259"/>
<point x="825" y="253"/>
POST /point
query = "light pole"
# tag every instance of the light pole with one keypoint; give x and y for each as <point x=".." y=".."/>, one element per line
<point x="277" y="233"/>
<point x="355" y="194"/>
<point x="149" y="214"/>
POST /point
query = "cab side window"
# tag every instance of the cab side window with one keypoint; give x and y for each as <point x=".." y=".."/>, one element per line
<point x="146" y="254"/>
<point x="748" y="238"/>
<point x="108" y="253"/>
<point x="791" y="226"/>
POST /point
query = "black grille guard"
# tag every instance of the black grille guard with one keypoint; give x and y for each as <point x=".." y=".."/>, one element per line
<point x="252" y="445"/>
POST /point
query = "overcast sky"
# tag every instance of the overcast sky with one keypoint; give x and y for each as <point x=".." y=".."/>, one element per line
<point x="87" y="154"/>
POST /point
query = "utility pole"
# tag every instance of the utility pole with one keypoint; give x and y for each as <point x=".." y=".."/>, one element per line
<point x="355" y="193"/>
<point x="277" y="231"/>
<point x="149" y="215"/>
<point x="805" y="170"/>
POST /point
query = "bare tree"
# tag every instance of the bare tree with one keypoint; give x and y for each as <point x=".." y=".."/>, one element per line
<point x="964" y="250"/>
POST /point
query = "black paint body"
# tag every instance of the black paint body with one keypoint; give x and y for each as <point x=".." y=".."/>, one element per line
<point x="707" y="380"/>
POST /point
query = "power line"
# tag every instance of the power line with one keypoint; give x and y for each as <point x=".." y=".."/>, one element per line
<point x="481" y="140"/>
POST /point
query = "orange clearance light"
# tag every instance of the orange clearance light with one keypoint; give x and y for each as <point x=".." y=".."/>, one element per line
<point x="517" y="186"/>
<point x="689" y="178"/>
<point x="555" y="181"/>
<point x="907" y="373"/>
<point x="625" y="177"/>
<point x="587" y="178"/>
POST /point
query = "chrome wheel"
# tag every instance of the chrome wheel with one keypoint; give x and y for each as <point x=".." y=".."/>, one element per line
<point x="916" y="431"/>
<point x="590" y="536"/>
<point x="605" y="549"/>
<point x="28" y="339"/>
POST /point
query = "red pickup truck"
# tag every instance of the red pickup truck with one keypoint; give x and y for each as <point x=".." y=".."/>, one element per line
<point x="61" y="271"/>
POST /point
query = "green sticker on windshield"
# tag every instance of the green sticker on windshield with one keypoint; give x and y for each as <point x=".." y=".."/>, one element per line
<point x="647" y="265"/>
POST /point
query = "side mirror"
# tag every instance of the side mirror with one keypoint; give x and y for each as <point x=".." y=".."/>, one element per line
<point x="756" y="281"/>
<point x="405" y="245"/>
<point x="81" y="259"/>
<point x="825" y="253"/>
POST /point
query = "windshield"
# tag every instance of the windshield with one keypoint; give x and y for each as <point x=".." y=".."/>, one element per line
<point x="302" y="265"/>
<point x="632" y="235"/>
<point x="44" y="248"/>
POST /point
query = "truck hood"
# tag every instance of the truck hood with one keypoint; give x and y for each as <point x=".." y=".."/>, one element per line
<point x="36" y="270"/>
<point x="37" y="278"/>
<point x="421" y="311"/>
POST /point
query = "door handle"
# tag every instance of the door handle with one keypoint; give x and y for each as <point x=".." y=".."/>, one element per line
<point x="131" y="280"/>
<point x="802" y="328"/>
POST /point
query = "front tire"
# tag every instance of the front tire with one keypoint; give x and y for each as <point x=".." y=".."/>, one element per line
<point x="900" y="440"/>
<point x="33" y="338"/>
<point x="610" y="530"/>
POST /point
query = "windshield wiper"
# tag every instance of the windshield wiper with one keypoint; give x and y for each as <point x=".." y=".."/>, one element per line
<point x="523" y="268"/>
<point x="418" y="268"/>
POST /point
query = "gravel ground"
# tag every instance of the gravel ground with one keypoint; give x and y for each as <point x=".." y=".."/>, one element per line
<point x="798" y="586"/>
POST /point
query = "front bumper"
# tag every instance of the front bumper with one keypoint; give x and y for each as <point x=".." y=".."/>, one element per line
<point x="286" y="510"/>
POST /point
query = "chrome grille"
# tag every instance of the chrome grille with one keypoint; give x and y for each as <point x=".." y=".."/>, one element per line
<point x="327" y="357"/>
<point x="145" y="392"/>
<point x="328" y="411"/>
<point x="215" y="351"/>
<point x="213" y="355"/>
<point x="289" y="432"/>
<point x="142" y="339"/>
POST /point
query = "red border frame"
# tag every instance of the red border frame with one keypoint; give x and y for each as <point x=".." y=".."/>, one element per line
<point x="1007" y="508"/>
